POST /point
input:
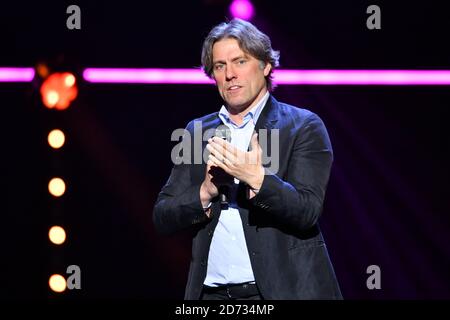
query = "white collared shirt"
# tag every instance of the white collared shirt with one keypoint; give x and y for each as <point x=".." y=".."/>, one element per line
<point x="228" y="260"/>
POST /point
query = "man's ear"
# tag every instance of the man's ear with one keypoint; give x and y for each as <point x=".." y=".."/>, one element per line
<point x="267" y="69"/>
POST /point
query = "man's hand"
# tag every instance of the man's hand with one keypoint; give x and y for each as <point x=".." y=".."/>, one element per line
<point x="214" y="178"/>
<point x="245" y="166"/>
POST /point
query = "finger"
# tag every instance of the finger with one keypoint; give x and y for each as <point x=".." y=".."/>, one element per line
<point x="222" y="142"/>
<point x="227" y="151"/>
<point x="218" y="163"/>
<point x="215" y="148"/>
<point x="219" y="141"/>
<point x="217" y="153"/>
<point x="254" y="142"/>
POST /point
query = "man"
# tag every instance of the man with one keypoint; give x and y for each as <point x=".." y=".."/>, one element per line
<point x="254" y="228"/>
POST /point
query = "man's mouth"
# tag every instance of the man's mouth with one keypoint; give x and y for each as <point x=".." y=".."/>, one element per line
<point x="232" y="88"/>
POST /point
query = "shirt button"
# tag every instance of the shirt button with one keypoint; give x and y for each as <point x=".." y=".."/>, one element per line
<point x="233" y="238"/>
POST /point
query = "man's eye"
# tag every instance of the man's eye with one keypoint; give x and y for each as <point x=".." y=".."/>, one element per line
<point x="242" y="61"/>
<point x="218" y="66"/>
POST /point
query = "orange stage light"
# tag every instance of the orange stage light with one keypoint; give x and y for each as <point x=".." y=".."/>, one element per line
<point x="59" y="90"/>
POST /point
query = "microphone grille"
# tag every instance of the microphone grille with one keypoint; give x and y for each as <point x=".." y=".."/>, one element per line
<point x="223" y="132"/>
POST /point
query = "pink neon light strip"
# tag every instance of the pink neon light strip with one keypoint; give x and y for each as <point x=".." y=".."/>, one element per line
<point x="363" y="77"/>
<point x="16" y="74"/>
<point x="281" y="77"/>
<point x="173" y="76"/>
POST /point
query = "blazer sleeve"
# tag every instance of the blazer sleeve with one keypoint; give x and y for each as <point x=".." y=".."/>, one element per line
<point x="178" y="205"/>
<point x="298" y="200"/>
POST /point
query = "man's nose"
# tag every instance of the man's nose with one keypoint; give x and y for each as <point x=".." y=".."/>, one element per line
<point x="229" y="73"/>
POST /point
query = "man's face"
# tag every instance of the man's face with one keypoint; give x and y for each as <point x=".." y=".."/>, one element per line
<point x="239" y="76"/>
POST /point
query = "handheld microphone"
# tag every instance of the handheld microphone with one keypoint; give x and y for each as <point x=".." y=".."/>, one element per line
<point x="224" y="133"/>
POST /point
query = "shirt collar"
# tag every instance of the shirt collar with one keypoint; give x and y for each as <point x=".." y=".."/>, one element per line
<point x="253" y="114"/>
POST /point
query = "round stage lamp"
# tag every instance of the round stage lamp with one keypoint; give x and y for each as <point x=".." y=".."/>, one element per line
<point x="56" y="138"/>
<point x="57" y="283"/>
<point x="59" y="90"/>
<point x="56" y="187"/>
<point x="242" y="9"/>
<point x="57" y="235"/>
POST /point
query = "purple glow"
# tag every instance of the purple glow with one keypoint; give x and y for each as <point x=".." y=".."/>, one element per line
<point x="16" y="74"/>
<point x="242" y="9"/>
<point x="281" y="77"/>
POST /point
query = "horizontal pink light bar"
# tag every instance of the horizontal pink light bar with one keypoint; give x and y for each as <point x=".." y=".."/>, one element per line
<point x="16" y="74"/>
<point x="363" y="77"/>
<point x="173" y="76"/>
<point x="281" y="77"/>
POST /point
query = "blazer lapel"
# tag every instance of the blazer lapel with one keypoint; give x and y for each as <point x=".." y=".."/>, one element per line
<point x="266" y="121"/>
<point x="269" y="115"/>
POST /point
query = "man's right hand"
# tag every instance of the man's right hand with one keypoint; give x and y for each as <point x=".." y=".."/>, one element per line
<point x="214" y="178"/>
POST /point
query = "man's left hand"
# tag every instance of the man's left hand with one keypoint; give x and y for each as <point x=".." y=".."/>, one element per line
<point x="244" y="166"/>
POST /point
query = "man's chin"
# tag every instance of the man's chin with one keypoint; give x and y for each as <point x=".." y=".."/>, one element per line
<point x="236" y="105"/>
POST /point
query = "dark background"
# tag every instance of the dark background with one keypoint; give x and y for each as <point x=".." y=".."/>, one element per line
<point x="388" y="198"/>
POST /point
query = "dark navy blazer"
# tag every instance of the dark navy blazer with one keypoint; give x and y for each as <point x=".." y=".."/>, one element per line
<point x="286" y="248"/>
